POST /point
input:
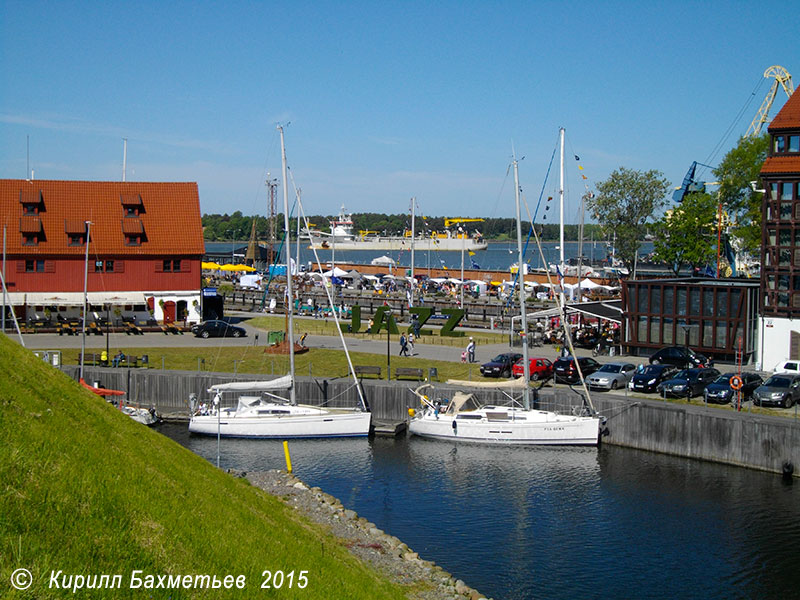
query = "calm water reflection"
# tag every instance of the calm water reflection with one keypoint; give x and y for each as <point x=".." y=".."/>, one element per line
<point x="557" y="523"/>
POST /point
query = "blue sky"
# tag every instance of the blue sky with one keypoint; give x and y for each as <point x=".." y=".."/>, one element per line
<point x="386" y="100"/>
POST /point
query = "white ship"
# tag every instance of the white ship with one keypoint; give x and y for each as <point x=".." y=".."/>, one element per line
<point x="343" y="237"/>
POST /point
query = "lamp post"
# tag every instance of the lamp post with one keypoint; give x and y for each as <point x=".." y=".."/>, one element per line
<point x="463" y="243"/>
<point x="387" y="315"/>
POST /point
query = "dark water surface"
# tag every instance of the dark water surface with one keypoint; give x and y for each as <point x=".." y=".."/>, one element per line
<point x="525" y="523"/>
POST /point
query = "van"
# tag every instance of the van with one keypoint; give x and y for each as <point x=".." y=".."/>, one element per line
<point x="787" y="366"/>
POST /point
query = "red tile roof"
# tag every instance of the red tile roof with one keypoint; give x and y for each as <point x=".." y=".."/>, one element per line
<point x="789" y="116"/>
<point x="169" y="214"/>
<point x="781" y="164"/>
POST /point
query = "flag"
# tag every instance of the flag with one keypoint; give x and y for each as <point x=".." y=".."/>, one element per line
<point x="474" y="264"/>
<point x="580" y="167"/>
<point x="471" y="253"/>
<point x="577" y="157"/>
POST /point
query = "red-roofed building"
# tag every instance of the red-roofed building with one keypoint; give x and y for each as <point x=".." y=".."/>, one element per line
<point x="145" y="247"/>
<point x="780" y="246"/>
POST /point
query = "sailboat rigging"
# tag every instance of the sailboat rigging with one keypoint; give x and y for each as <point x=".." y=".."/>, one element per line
<point x="260" y="412"/>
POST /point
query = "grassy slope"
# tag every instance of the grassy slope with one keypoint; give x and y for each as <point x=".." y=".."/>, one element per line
<point x="84" y="489"/>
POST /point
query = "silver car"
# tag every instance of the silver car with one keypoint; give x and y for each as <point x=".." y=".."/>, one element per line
<point x="611" y="376"/>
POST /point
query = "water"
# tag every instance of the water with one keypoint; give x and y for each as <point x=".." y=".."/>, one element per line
<point x="499" y="256"/>
<point x="526" y="523"/>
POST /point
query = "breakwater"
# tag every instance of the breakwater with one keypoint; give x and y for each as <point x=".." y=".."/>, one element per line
<point x="692" y="431"/>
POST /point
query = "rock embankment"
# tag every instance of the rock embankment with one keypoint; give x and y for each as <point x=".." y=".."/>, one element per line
<point x="423" y="579"/>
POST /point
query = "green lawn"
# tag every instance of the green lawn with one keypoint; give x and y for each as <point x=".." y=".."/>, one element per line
<point x="87" y="491"/>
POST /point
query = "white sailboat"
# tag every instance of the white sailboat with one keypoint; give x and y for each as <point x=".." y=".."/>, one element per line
<point x="493" y="424"/>
<point x="260" y="412"/>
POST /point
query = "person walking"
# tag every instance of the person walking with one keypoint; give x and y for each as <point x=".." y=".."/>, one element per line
<point x="403" y="345"/>
<point x="471" y="350"/>
<point x="411" y="343"/>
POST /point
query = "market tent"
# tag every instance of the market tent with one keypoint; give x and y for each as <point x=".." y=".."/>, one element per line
<point x="210" y="266"/>
<point x="228" y="268"/>
<point x="382" y="260"/>
<point x="336" y="272"/>
<point x="246" y="268"/>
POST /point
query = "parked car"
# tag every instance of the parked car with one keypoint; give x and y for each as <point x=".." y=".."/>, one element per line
<point x="566" y="372"/>
<point x="611" y="376"/>
<point x="782" y="389"/>
<point x="500" y="365"/>
<point x="648" y="379"/>
<point x="788" y="366"/>
<point x="540" y="368"/>
<point x="720" y="391"/>
<point x="680" y="356"/>
<point x="687" y="383"/>
<point x="217" y="328"/>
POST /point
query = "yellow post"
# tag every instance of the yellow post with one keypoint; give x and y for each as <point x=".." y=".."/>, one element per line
<point x="288" y="458"/>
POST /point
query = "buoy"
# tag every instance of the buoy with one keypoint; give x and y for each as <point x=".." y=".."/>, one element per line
<point x="288" y="458"/>
<point x="411" y="412"/>
<point x="788" y="470"/>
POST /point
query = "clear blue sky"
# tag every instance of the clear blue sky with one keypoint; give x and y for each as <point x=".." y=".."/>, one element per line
<point x="386" y="100"/>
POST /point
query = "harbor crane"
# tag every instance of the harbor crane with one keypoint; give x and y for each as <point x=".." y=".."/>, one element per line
<point x="782" y="78"/>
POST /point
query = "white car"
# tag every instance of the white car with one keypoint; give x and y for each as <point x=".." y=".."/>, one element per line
<point x="611" y="376"/>
<point x="788" y="366"/>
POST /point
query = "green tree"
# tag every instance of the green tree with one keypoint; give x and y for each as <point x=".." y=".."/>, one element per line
<point x="625" y="203"/>
<point x="736" y="171"/>
<point x="685" y="235"/>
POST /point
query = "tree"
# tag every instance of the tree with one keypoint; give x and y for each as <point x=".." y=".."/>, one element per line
<point x="738" y="169"/>
<point x="624" y="204"/>
<point x="686" y="234"/>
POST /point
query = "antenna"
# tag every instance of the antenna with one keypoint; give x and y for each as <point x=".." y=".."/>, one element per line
<point x="124" y="156"/>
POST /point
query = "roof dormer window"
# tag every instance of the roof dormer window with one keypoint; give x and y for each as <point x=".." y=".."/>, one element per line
<point x="794" y="143"/>
<point x="779" y="144"/>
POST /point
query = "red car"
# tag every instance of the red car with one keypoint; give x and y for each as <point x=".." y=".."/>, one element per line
<point x="541" y="368"/>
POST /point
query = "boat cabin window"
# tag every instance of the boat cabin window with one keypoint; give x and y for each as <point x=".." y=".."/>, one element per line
<point x="469" y="417"/>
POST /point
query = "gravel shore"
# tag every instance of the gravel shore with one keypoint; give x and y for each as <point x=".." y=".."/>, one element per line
<point x="422" y="579"/>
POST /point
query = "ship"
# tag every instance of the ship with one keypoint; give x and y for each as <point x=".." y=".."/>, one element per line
<point x="343" y="237"/>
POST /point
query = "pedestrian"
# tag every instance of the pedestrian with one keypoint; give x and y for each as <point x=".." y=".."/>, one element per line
<point x="403" y="345"/>
<point x="415" y="325"/>
<point x="303" y="339"/>
<point x="411" y="343"/>
<point x="471" y="350"/>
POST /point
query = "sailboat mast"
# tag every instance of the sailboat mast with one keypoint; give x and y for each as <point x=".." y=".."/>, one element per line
<point x="85" y="292"/>
<point x="561" y="205"/>
<point x="526" y="365"/>
<point x="413" y="235"/>
<point x="287" y="246"/>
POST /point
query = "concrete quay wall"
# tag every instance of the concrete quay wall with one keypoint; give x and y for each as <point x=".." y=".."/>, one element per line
<point x="692" y="431"/>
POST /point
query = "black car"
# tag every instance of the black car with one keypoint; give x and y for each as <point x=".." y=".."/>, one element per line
<point x="500" y="365"/>
<point x="679" y="356"/>
<point x="782" y="389"/>
<point x="217" y="328"/>
<point x="687" y="383"/>
<point x="720" y="391"/>
<point x="648" y="379"/>
<point x="565" y="371"/>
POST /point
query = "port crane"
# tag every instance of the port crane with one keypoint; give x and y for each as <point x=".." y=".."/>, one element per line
<point x="783" y="79"/>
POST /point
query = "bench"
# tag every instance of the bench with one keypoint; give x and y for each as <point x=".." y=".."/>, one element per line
<point x="367" y="370"/>
<point x="408" y="372"/>
<point x="132" y="328"/>
<point x="92" y="359"/>
<point x="171" y="327"/>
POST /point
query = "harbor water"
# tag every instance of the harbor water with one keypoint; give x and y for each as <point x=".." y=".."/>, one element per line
<point x="499" y="256"/>
<point x="523" y="523"/>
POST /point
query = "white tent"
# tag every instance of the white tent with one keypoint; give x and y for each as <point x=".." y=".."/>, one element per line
<point x="336" y="272"/>
<point x="382" y="260"/>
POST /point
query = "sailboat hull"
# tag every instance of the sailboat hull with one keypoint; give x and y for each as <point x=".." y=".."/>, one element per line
<point x="549" y="429"/>
<point x="318" y="424"/>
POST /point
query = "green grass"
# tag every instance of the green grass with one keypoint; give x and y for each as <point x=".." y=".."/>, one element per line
<point x="86" y="490"/>
<point x="328" y="327"/>
<point x="317" y="362"/>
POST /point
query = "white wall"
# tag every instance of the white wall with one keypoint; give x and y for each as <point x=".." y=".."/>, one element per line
<point x="773" y="340"/>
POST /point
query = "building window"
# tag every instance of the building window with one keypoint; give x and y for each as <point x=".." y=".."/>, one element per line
<point x="30" y="209"/>
<point x="133" y="240"/>
<point x="106" y="266"/>
<point x="780" y="143"/>
<point x="794" y="143"/>
<point x="773" y="191"/>
<point x="131" y="211"/>
<point x="76" y="239"/>
<point x="786" y="211"/>
<point x="172" y="266"/>
<point x="34" y="266"/>
<point x="786" y="191"/>
<point x="30" y="239"/>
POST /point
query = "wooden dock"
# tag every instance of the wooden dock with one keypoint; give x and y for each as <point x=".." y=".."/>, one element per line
<point x="385" y="428"/>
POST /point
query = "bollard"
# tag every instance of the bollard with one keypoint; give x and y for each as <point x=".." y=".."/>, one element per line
<point x="288" y="458"/>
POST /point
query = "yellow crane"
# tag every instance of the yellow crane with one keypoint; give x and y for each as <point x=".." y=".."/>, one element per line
<point x="448" y="222"/>
<point x="783" y="79"/>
